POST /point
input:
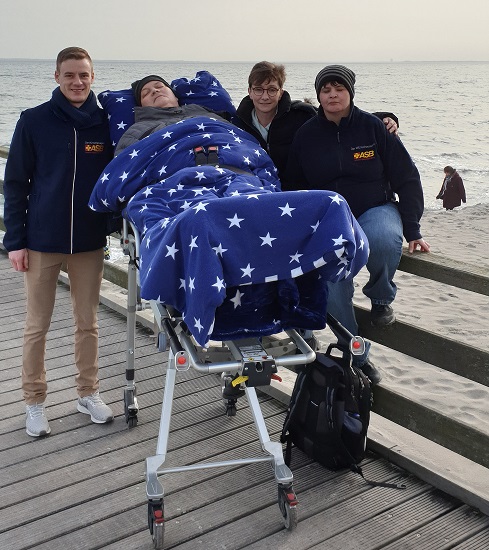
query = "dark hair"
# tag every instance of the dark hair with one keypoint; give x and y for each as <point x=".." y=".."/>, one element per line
<point x="449" y="170"/>
<point x="265" y="71"/>
<point x="72" y="53"/>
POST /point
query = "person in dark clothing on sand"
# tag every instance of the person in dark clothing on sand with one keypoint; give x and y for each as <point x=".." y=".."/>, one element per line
<point x="452" y="190"/>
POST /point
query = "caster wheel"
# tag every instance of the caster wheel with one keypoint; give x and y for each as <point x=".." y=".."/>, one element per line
<point x="231" y="409"/>
<point x="287" y="502"/>
<point x="156" y="523"/>
<point x="132" y="422"/>
<point x="130" y="414"/>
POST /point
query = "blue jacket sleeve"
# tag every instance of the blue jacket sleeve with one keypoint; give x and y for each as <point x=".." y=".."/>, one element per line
<point x="18" y="174"/>
<point x="405" y="182"/>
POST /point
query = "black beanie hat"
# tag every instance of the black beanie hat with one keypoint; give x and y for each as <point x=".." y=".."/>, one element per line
<point x="336" y="73"/>
<point x="138" y="85"/>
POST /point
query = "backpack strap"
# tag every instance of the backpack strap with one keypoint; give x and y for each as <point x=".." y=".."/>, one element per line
<point x="356" y="468"/>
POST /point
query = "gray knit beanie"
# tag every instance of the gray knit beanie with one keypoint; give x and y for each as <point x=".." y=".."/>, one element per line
<point x="138" y="85"/>
<point x="336" y="73"/>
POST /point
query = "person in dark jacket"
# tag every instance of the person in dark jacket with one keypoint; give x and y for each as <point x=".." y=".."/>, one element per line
<point x="452" y="190"/>
<point x="349" y="151"/>
<point x="57" y="153"/>
<point x="270" y="115"/>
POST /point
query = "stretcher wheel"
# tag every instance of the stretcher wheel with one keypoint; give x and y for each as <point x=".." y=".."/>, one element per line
<point x="231" y="407"/>
<point x="130" y="414"/>
<point x="287" y="502"/>
<point x="156" y="522"/>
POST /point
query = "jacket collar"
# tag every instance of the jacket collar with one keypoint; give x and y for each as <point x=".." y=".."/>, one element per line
<point x="89" y="114"/>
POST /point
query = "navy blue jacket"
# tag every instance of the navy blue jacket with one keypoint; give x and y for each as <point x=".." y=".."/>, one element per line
<point x="290" y="116"/>
<point x="56" y="156"/>
<point x="360" y="160"/>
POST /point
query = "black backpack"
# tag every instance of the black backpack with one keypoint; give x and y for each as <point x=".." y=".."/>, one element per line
<point x="329" y="410"/>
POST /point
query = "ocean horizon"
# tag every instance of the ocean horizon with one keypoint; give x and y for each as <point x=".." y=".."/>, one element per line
<point x="442" y="106"/>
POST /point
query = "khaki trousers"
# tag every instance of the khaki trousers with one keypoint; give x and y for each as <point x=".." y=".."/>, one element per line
<point x="85" y="271"/>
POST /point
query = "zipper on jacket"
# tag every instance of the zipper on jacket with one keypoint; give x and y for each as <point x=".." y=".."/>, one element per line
<point x="339" y="151"/>
<point x="73" y="190"/>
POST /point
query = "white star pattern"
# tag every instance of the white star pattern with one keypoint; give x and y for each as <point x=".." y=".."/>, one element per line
<point x="219" y="284"/>
<point x="193" y="243"/>
<point x="194" y="273"/>
<point x="172" y="250"/>
<point x="267" y="240"/>
<point x="237" y="299"/>
<point x="286" y="210"/>
<point x="219" y="250"/>
<point x="247" y="271"/>
<point x="295" y="257"/>
<point x="235" y="221"/>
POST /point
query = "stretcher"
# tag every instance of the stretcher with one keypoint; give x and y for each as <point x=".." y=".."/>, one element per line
<point x="234" y="269"/>
<point x="242" y="364"/>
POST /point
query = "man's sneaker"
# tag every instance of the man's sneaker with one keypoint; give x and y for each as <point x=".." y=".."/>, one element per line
<point x="93" y="405"/>
<point x="371" y="373"/>
<point x="381" y="315"/>
<point x="36" y="423"/>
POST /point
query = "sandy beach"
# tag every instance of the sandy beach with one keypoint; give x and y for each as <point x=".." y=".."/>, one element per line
<point x="461" y="235"/>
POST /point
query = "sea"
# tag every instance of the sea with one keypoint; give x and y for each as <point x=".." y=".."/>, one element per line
<point x="443" y="107"/>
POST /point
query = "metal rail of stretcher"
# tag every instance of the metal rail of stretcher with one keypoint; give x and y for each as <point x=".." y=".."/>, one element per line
<point x="255" y="359"/>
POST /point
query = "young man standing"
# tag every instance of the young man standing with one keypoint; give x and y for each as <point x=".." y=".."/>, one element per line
<point x="58" y="150"/>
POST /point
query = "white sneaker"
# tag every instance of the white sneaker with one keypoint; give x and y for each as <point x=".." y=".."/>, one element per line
<point x="93" y="405"/>
<point x="36" y="423"/>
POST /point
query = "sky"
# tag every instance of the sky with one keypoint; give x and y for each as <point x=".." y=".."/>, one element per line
<point x="248" y="30"/>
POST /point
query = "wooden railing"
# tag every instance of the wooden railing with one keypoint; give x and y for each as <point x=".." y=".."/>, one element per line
<point x="455" y="356"/>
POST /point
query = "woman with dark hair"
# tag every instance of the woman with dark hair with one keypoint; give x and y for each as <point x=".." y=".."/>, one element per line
<point x="452" y="190"/>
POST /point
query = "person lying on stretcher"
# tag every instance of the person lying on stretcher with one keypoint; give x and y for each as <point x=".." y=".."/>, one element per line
<point x="252" y="263"/>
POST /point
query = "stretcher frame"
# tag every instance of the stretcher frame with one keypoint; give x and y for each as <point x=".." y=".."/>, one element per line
<point x="257" y="358"/>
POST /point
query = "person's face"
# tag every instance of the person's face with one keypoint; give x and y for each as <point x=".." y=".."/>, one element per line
<point x="265" y="96"/>
<point x="75" y="77"/>
<point x="335" y="100"/>
<point x="156" y="94"/>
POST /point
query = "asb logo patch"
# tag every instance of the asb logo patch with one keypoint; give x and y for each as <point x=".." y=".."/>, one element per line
<point x="364" y="155"/>
<point x="94" y="147"/>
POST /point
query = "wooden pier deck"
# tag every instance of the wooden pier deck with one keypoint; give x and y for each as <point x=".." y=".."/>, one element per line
<point x="82" y="487"/>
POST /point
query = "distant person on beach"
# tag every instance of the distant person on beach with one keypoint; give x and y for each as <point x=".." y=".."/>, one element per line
<point x="452" y="190"/>
<point x="57" y="153"/>
<point x="272" y="117"/>
<point x="349" y="151"/>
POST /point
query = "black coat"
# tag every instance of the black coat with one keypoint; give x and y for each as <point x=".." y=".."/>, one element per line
<point x="56" y="155"/>
<point x="290" y="116"/>
<point x="454" y="193"/>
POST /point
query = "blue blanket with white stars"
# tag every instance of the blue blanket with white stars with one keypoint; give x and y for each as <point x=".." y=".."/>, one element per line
<point x="229" y="250"/>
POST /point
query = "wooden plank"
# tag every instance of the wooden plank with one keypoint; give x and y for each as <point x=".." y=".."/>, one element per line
<point x="445" y="270"/>
<point x="451" y="355"/>
<point x="447" y="530"/>
<point x="385" y="527"/>
<point x="460" y="437"/>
